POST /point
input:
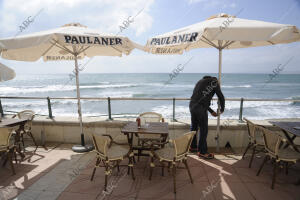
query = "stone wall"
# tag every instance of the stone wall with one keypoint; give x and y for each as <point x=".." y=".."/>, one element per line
<point x="66" y="130"/>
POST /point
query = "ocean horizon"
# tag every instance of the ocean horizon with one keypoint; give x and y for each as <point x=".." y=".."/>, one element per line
<point x="152" y="85"/>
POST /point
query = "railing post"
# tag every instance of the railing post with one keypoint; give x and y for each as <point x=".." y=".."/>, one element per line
<point x="49" y="108"/>
<point x="174" y="119"/>
<point x="1" y="109"/>
<point x="241" y="110"/>
<point x="109" y="108"/>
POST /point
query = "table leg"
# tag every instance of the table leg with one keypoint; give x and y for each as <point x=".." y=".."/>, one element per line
<point x="129" y="138"/>
<point x="291" y="140"/>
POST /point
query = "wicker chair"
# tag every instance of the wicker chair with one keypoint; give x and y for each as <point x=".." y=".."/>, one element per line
<point x="111" y="153"/>
<point x="6" y="148"/>
<point x="173" y="154"/>
<point x="280" y="156"/>
<point x="27" y="114"/>
<point x="147" y="139"/>
<point x="256" y="142"/>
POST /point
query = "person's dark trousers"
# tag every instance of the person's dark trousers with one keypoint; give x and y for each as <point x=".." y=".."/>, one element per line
<point x="199" y="119"/>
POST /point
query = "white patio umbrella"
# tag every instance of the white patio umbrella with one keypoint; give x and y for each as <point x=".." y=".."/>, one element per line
<point x="222" y="31"/>
<point x="6" y="73"/>
<point x="69" y="42"/>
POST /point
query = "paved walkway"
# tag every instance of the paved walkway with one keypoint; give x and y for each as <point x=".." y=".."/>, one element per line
<point x="59" y="173"/>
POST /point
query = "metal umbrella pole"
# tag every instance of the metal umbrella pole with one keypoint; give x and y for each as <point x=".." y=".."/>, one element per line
<point x="82" y="147"/>
<point x="218" y="119"/>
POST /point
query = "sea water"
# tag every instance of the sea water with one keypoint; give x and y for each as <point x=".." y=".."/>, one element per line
<point x="151" y="85"/>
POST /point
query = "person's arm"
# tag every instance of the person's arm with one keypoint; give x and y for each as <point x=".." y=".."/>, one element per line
<point x="220" y="95"/>
<point x="212" y="112"/>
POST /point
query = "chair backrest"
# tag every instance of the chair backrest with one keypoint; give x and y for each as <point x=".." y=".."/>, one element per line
<point x="101" y="143"/>
<point x="27" y="114"/>
<point x="182" y="143"/>
<point x="150" y="117"/>
<point x="5" y="134"/>
<point x="272" y="141"/>
<point x="252" y="130"/>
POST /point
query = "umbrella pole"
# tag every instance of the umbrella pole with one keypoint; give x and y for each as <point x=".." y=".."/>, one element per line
<point x="218" y="120"/>
<point x="82" y="147"/>
<point x="78" y="102"/>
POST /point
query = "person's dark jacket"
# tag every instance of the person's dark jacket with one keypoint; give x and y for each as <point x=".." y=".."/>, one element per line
<point x="203" y="92"/>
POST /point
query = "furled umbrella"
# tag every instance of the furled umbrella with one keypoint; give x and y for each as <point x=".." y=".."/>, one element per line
<point x="222" y="31"/>
<point x="69" y="42"/>
<point x="6" y="73"/>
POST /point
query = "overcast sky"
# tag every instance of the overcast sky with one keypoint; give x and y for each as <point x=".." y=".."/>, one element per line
<point x="156" y="17"/>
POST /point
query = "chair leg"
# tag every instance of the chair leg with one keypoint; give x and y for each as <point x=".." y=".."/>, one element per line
<point x="249" y="145"/>
<point x="263" y="163"/>
<point x="139" y="153"/>
<point x="106" y="175"/>
<point x="252" y="156"/>
<point x="10" y="161"/>
<point x="19" y="150"/>
<point x="134" y="161"/>
<point x="274" y="174"/>
<point x="15" y="154"/>
<point x="286" y="166"/>
<point x="188" y="169"/>
<point x="23" y="143"/>
<point x="174" y="177"/>
<point x="162" y="169"/>
<point x="151" y="167"/>
<point x="36" y="146"/>
<point x="5" y="160"/>
<point x="118" y="166"/>
<point x="97" y="163"/>
<point x="131" y="167"/>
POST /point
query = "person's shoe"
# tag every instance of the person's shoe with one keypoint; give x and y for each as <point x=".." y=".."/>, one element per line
<point x="206" y="156"/>
<point x="193" y="150"/>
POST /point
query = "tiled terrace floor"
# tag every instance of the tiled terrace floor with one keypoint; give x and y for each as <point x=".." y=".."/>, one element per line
<point x="59" y="173"/>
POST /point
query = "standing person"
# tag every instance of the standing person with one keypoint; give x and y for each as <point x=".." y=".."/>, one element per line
<point x="203" y="92"/>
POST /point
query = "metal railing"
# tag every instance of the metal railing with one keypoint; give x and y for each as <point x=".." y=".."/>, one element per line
<point x="109" y="99"/>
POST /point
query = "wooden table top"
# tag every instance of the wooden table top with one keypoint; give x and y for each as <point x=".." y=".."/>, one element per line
<point x="10" y="122"/>
<point x="291" y="127"/>
<point x="148" y="128"/>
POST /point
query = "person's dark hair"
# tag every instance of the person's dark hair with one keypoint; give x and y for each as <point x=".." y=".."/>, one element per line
<point x="205" y="77"/>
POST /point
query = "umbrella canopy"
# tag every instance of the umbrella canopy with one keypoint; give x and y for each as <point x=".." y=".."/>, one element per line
<point x="6" y="73"/>
<point x="69" y="42"/>
<point x="222" y="31"/>
<point x="63" y="42"/>
<point x="225" y="32"/>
